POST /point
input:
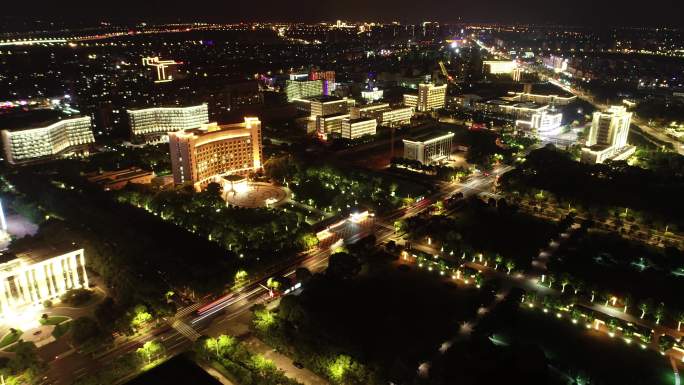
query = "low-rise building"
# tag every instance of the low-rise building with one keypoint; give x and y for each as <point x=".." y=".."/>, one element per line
<point x="356" y="128"/>
<point x="430" y="150"/>
<point x="116" y="180"/>
<point x="543" y="124"/>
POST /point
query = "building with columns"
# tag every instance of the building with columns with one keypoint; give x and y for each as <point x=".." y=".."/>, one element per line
<point x="26" y="280"/>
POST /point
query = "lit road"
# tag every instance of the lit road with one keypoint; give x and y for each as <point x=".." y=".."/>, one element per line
<point x="188" y="325"/>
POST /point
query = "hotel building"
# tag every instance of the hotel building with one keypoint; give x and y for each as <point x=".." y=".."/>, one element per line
<point x="205" y="154"/>
<point x="608" y="136"/>
<point x="429" y="98"/>
<point x="30" y="280"/>
<point x="62" y="138"/>
<point x="434" y="149"/>
<point x="155" y="123"/>
<point x="330" y="124"/>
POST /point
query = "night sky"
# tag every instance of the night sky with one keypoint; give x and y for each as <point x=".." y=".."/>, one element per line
<point x="593" y="12"/>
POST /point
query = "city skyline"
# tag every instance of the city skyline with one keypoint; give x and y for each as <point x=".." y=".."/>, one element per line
<point x="580" y="12"/>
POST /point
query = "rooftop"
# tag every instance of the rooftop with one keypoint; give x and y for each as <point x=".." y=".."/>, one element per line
<point x="31" y="119"/>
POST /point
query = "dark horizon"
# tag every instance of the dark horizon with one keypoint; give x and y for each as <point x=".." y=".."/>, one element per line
<point x="579" y="12"/>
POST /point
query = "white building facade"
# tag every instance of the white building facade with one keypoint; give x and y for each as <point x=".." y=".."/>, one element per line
<point x="159" y="121"/>
<point x="62" y="138"/>
<point x="24" y="283"/>
<point x="430" y="151"/>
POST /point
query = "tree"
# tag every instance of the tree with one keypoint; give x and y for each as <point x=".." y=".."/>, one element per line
<point x="659" y="312"/>
<point x="303" y="275"/>
<point x="25" y="357"/>
<point x="578" y="285"/>
<point x="84" y="329"/>
<point x="343" y="266"/>
<point x="308" y="241"/>
<point x="150" y="351"/>
<point x="645" y="306"/>
<point x="498" y="259"/>
<point x="565" y="280"/>
<point x="626" y="302"/>
<point x="140" y="316"/>
<point x="510" y="265"/>
<point x="680" y="319"/>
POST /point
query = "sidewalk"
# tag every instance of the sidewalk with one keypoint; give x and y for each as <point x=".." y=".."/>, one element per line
<point x="284" y="363"/>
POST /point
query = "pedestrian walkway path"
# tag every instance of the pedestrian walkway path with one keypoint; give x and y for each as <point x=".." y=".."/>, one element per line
<point x="284" y="363"/>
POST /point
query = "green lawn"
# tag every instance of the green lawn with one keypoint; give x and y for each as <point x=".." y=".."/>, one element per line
<point x="10" y="338"/>
<point x="61" y="329"/>
<point x="55" y="320"/>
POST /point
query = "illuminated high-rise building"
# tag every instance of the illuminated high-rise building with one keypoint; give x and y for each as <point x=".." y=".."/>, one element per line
<point x="66" y="137"/>
<point x="156" y="122"/>
<point x="430" y="97"/>
<point x="608" y="136"/>
<point x="207" y="153"/>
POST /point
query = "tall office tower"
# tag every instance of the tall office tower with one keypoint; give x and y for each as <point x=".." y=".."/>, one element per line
<point x="35" y="143"/>
<point x="608" y="136"/>
<point x="298" y="89"/>
<point x="429" y="98"/>
<point x="155" y="123"/>
<point x="434" y="149"/>
<point x="210" y="152"/>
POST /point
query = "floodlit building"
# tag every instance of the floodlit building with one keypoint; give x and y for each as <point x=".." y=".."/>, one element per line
<point x="556" y="100"/>
<point x="203" y="155"/>
<point x="356" y="128"/>
<point x="430" y="97"/>
<point x="328" y="78"/>
<point x="331" y="124"/>
<point x="372" y="95"/>
<point x="368" y="110"/>
<point x="510" y="109"/>
<point x="544" y="124"/>
<point x="395" y="117"/>
<point x="329" y="105"/>
<point x="434" y="149"/>
<point x="155" y="123"/>
<point x="300" y="89"/>
<point x="30" y="279"/>
<point x="608" y="136"/>
<point x="498" y="67"/>
<point x="62" y="138"/>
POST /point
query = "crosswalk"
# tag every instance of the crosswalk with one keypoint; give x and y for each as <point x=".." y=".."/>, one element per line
<point x="187" y="310"/>
<point x="183" y="328"/>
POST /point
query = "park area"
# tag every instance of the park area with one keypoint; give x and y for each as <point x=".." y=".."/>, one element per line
<point x="477" y="227"/>
<point x="367" y="322"/>
<point x="585" y="355"/>
<point x="622" y="267"/>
